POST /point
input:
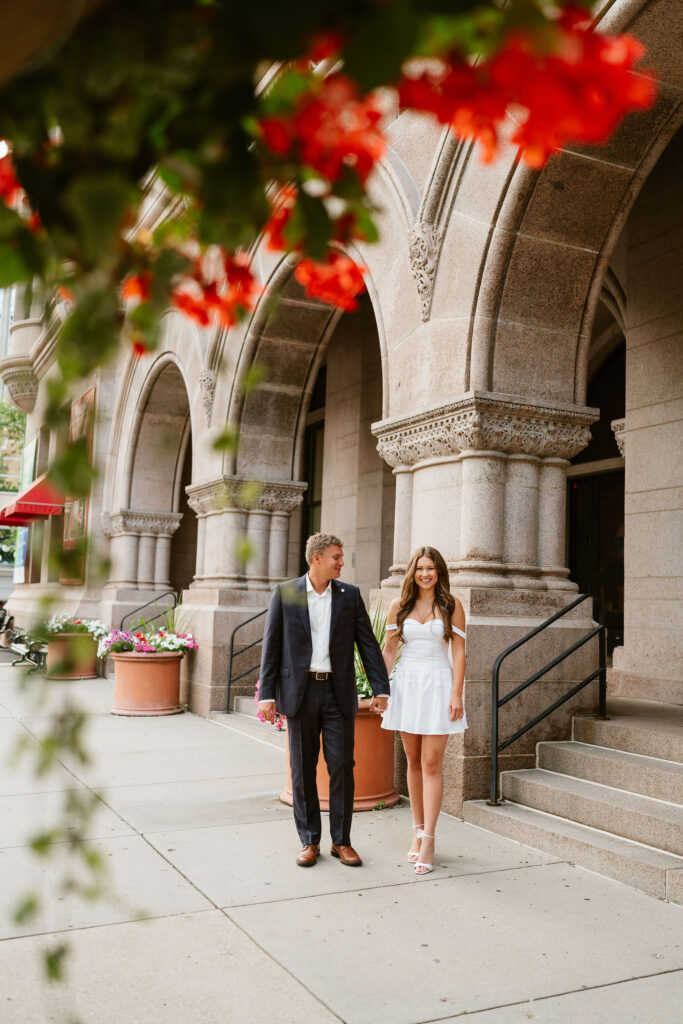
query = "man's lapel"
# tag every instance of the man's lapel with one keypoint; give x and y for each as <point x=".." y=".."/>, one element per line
<point x="337" y="599"/>
<point x="302" y="604"/>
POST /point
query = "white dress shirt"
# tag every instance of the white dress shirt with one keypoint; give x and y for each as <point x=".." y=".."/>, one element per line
<point x="319" y="613"/>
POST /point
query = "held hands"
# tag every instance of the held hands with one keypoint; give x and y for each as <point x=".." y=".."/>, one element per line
<point x="455" y="708"/>
<point x="379" y="704"/>
<point x="268" y="710"/>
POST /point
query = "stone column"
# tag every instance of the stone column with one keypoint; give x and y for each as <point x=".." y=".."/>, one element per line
<point x="233" y="509"/>
<point x="124" y="559"/>
<point x="552" y="516"/>
<point x="278" y="548"/>
<point x="201" y="543"/>
<point x="146" y="549"/>
<point x="504" y="445"/>
<point x="141" y="547"/>
<point x="16" y="368"/>
<point x="258" y="536"/>
<point x="522" y="519"/>
<point x="482" y="514"/>
<point x="403" y="520"/>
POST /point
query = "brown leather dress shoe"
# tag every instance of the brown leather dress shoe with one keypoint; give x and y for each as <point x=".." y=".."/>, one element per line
<point x="308" y="856"/>
<point x="347" y="855"/>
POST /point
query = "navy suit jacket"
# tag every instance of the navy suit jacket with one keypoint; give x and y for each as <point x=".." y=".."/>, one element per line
<point x="287" y="647"/>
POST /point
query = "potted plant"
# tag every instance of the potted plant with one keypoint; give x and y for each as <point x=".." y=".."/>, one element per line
<point x="373" y="750"/>
<point x="72" y="646"/>
<point x="146" y="670"/>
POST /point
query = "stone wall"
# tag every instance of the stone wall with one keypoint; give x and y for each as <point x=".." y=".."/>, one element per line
<point x="651" y="261"/>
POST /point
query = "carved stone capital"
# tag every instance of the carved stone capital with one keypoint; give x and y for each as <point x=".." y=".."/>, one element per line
<point x="485" y="421"/>
<point x="19" y="378"/>
<point x="134" y="521"/>
<point x="619" y="435"/>
<point x="241" y="494"/>
<point x="425" y="244"/>
<point x="207" y="387"/>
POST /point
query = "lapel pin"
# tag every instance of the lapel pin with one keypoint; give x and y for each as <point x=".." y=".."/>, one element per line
<point x="342" y="590"/>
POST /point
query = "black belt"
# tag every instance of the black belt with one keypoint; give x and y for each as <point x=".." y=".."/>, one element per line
<point x="320" y="676"/>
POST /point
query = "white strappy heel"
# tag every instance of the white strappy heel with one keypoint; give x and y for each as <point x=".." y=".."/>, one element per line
<point x="420" y="867"/>
<point x="412" y="856"/>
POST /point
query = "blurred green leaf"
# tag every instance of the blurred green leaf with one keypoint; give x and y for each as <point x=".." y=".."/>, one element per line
<point x="54" y="961"/>
<point x="254" y="375"/>
<point x="27" y="909"/>
<point x="244" y="549"/>
<point x="100" y="206"/>
<point x="227" y="440"/>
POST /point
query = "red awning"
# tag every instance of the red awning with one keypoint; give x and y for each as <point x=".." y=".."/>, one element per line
<point x="37" y="502"/>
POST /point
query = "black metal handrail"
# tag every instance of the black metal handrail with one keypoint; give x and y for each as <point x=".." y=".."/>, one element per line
<point x="232" y="655"/>
<point x="498" y="702"/>
<point x="160" y="614"/>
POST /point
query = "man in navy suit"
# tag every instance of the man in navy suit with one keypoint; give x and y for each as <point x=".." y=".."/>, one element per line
<point x="308" y="674"/>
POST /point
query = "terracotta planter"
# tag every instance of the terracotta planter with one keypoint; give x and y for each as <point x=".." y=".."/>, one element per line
<point x="72" y="656"/>
<point x="374" y="769"/>
<point x="147" y="684"/>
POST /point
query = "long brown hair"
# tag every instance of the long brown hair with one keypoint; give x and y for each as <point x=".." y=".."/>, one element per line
<point x="443" y="599"/>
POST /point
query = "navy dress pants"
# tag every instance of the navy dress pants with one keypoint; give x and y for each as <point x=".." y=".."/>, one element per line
<point x="320" y="715"/>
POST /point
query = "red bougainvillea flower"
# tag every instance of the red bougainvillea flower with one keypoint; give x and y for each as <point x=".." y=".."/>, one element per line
<point x="338" y="280"/>
<point x="219" y="283"/>
<point x="138" y="286"/>
<point x="276" y="225"/>
<point x="331" y="128"/>
<point x="10" y="189"/>
<point x="346" y="227"/>
<point x="462" y="96"/>
<point x="575" y="84"/>
<point x="139" y="345"/>
<point x="189" y="299"/>
<point x="325" y="45"/>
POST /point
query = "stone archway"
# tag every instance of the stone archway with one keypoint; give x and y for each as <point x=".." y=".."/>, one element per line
<point x="153" y="503"/>
<point x="291" y="342"/>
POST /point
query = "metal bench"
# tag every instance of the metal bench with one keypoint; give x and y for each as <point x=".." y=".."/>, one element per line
<point x="31" y="652"/>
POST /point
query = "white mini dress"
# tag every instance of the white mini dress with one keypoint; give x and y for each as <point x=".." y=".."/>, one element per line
<point x="422" y="683"/>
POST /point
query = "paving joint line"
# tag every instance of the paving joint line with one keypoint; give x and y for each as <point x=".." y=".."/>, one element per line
<point x="553" y="995"/>
<point x="394" y="885"/>
<point x="283" y="967"/>
<point x="106" y="924"/>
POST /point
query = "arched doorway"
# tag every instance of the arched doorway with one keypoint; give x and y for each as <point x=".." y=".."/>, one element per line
<point x="595" y="486"/>
<point x="351" y="490"/>
<point x="154" y="535"/>
<point x="308" y="425"/>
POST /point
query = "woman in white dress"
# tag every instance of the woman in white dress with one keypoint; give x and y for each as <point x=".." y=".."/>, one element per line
<point x="426" y="689"/>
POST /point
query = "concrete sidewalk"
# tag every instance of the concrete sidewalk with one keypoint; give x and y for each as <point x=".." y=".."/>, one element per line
<point x="196" y="838"/>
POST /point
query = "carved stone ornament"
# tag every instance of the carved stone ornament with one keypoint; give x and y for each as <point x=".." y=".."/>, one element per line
<point x="133" y="521"/>
<point x="619" y="435"/>
<point x="425" y="243"/>
<point x="242" y="494"/>
<point x="20" y="380"/>
<point x="207" y="386"/>
<point x="482" y="421"/>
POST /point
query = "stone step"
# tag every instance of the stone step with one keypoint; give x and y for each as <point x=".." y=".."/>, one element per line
<point x="636" y="726"/>
<point x="629" y="815"/>
<point x="635" y="773"/>
<point x="245" y="706"/>
<point x="654" y="872"/>
<point x="626" y="684"/>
